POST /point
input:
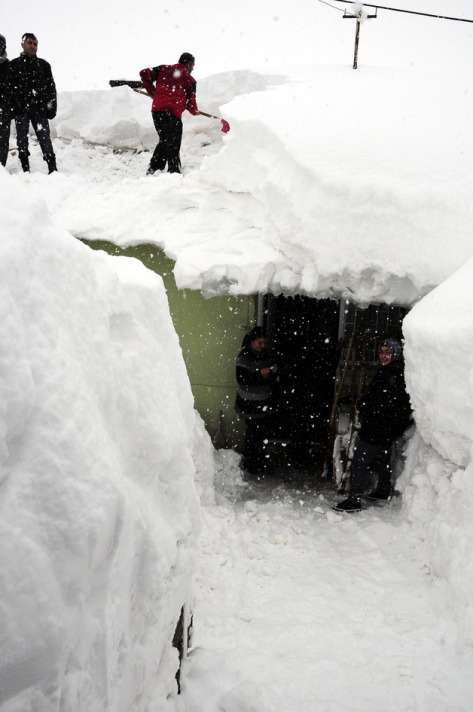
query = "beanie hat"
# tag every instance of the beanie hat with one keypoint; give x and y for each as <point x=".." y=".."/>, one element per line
<point x="3" y="42"/>
<point x="395" y="348"/>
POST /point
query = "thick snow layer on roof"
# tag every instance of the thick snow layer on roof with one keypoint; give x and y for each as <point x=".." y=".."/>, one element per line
<point x="98" y="510"/>
<point x="323" y="186"/>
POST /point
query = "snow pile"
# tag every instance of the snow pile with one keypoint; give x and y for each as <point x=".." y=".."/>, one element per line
<point x="439" y="352"/>
<point x="360" y="197"/>
<point x="118" y="118"/>
<point x="98" y="510"/>
<point x="438" y="478"/>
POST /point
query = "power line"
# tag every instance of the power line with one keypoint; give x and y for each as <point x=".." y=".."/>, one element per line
<point x="409" y="12"/>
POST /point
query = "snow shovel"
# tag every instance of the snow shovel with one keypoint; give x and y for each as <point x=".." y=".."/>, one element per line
<point x="225" y="124"/>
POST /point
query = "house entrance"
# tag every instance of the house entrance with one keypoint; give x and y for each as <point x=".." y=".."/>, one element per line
<point x="304" y="340"/>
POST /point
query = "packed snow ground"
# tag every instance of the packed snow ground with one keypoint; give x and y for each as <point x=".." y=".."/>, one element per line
<point x="299" y="608"/>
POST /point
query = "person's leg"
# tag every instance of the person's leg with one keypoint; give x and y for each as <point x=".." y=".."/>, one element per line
<point x="255" y="447"/>
<point x="4" y="137"/>
<point x="174" y="144"/>
<point x="159" y="157"/>
<point x="383" y="466"/>
<point x="364" y="455"/>
<point x="41" y="128"/>
<point x="22" y="124"/>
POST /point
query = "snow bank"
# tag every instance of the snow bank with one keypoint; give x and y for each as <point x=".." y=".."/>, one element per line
<point x="439" y="373"/>
<point x="438" y="477"/>
<point x="98" y="510"/>
<point x="361" y="198"/>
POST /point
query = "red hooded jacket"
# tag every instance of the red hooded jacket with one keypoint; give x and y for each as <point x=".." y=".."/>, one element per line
<point x="175" y="88"/>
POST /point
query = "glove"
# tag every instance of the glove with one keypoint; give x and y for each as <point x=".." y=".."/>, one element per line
<point x="50" y="110"/>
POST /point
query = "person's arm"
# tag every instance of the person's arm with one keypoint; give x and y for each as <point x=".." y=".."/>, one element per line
<point x="148" y="77"/>
<point x="50" y="93"/>
<point x="191" y="103"/>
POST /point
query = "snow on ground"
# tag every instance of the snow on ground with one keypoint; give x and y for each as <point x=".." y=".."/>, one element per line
<point x="299" y="608"/>
<point x="98" y="509"/>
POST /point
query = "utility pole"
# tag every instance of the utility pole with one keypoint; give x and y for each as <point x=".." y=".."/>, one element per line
<point x="359" y="16"/>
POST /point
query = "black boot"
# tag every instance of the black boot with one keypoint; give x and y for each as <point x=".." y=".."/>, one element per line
<point x="51" y="161"/>
<point x="352" y="504"/>
<point x="25" y="162"/>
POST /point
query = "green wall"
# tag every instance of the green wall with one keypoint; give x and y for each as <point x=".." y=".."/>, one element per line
<point x="210" y="333"/>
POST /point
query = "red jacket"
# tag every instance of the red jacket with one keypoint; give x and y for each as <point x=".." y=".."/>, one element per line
<point x="175" y="88"/>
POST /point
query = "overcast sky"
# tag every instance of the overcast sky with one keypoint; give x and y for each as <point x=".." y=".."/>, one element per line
<point x="89" y="42"/>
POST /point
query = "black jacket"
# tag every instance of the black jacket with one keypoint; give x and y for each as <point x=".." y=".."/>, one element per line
<point x="32" y="90"/>
<point x="385" y="408"/>
<point x="254" y="390"/>
<point x="4" y="72"/>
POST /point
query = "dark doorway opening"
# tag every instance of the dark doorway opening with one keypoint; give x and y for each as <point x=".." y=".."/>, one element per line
<point x="304" y="340"/>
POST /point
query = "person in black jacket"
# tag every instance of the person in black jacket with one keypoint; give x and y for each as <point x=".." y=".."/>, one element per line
<point x="255" y="373"/>
<point x="385" y="412"/>
<point x="5" y="116"/>
<point x="33" y="98"/>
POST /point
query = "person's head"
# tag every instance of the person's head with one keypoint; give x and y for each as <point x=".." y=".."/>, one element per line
<point x="256" y="339"/>
<point x="3" y="45"/>
<point x="29" y="44"/>
<point x="188" y="60"/>
<point x="390" y="350"/>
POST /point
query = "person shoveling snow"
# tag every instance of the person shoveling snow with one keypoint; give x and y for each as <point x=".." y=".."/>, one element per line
<point x="173" y="90"/>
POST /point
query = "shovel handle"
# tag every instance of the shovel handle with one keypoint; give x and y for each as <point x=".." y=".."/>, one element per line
<point x="210" y="116"/>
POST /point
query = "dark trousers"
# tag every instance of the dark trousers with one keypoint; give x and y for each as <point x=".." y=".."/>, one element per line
<point x="255" y="445"/>
<point x="367" y="454"/>
<point x="169" y="128"/>
<point x="4" y="138"/>
<point x="41" y="129"/>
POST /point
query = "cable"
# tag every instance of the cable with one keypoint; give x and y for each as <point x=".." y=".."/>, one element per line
<point x="409" y="12"/>
<point x="332" y="6"/>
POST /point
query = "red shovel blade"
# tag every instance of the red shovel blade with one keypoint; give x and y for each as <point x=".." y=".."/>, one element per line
<point x="225" y="126"/>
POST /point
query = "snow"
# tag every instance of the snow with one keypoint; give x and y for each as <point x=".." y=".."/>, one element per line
<point x="289" y="198"/>
<point x="99" y="513"/>
<point x="331" y="182"/>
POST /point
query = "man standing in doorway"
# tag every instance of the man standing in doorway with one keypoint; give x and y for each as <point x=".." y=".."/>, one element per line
<point x="385" y="413"/>
<point x="5" y="116"/>
<point x="174" y="92"/>
<point x="33" y="98"/>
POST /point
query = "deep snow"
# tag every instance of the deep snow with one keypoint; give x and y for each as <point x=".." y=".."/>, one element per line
<point x="332" y="182"/>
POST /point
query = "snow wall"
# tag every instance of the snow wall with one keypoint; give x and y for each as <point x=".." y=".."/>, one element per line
<point x="438" y="477"/>
<point x="99" y="445"/>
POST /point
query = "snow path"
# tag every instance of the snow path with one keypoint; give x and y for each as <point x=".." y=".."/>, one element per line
<point x="327" y="611"/>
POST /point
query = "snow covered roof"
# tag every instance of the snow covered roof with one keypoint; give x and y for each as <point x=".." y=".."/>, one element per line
<point x="322" y="187"/>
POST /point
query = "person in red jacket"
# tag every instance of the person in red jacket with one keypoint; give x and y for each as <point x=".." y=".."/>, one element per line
<point x="174" y="92"/>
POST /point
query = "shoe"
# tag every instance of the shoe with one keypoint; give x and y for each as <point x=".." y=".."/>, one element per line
<point x="348" y="506"/>
<point x="150" y="171"/>
<point x="375" y="496"/>
<point x="25" y="162"/>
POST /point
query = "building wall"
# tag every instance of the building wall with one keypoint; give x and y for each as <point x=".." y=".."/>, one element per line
<point x="210" y="333"/>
